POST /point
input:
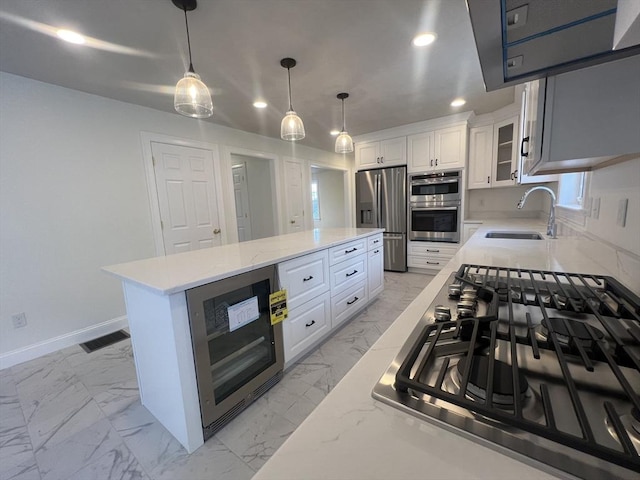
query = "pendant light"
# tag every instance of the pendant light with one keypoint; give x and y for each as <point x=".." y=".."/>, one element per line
<point x="291" y="128"/>
<point x="192" y="97"/>
<point x="344" y="143"/>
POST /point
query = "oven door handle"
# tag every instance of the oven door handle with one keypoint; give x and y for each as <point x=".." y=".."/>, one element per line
<point x="434" y="182"/>
<point x="426" y="209"/>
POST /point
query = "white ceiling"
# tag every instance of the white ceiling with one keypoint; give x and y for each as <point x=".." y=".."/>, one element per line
<point x="362" y="47"/>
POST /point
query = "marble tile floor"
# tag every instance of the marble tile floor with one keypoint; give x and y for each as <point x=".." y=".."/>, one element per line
<point x="77" y="416"/>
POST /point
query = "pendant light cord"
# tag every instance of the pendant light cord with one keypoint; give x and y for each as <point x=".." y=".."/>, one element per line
<point x="186" y="22"/>
<point x="289" y="76"/>
<point x="343" y="114"/>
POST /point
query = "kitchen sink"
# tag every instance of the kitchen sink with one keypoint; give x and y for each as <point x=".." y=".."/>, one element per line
<point x="515" y="235"/>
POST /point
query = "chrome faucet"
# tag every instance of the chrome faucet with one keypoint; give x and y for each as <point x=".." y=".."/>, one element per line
<point x="551" y="224"/>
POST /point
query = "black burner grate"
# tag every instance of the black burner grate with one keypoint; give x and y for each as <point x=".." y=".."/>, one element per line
<point x="613" y="305"/>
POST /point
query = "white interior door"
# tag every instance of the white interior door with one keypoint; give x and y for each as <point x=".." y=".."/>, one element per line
<point x="187" y="197"/>
<point x="241" y="195"/>
<point x="295" y="198"/>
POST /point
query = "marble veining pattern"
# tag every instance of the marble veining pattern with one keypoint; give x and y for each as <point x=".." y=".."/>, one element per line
<point x="76" y="416"/>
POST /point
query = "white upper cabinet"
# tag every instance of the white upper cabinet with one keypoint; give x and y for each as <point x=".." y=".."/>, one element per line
<point x="442" y="149"/>
<point x="386" y="153"/>
<point x="585" y="117"/>
<point x="493" y="156"/>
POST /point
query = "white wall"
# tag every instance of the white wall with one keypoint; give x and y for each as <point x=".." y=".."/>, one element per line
<point x="612" y="184"/>
<point x="502" y="202"/>
<point x="331" y="198"/>
<point x="73" y="198"/>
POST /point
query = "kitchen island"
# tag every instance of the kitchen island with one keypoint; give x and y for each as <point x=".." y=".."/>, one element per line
<point x="158" y="316"/>
<point x="350" y="435"/>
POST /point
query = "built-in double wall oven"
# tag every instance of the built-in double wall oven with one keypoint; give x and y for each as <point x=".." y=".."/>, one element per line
<point x="435" y="206"/>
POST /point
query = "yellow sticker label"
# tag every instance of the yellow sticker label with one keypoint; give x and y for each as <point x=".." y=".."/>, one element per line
<point x="278" y="306"/>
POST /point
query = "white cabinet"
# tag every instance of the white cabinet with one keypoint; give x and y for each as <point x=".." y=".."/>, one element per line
<point x="584" y="118"/>
<point x="468" y="229"/>
<point x="530" y="132"/>
<point x="442" y="149"/>
<point x="480" y="155"/>
<point x="430" y="255"/>
<point x="385" y="153"/>
<point x="326" y="288"/>
<point x="304" y="277"/>
<point x="493" y="155"/>
<point x="306" y="325"/>
<point x="375" y="265"/>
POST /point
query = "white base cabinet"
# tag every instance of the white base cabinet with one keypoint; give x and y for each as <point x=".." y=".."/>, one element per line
<point x="430" y="255"/>
<point x="327" y="288"/>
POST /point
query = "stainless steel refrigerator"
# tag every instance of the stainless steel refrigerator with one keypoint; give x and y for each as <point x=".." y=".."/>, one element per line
<point x="381" y="202"/>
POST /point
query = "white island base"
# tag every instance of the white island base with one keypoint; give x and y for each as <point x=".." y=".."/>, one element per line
<point x="155" y="298"/>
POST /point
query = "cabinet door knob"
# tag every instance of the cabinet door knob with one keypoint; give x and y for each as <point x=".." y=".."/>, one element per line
<point x="292" y="221"/>
<point x="216" y="231"/>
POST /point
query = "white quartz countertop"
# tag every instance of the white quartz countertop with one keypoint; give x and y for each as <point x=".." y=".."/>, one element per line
<point x="175" y="273"/>
<point x="352" y="436"/>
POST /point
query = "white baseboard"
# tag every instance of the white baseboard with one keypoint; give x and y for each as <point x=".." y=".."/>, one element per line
<point x="39" y="349"/>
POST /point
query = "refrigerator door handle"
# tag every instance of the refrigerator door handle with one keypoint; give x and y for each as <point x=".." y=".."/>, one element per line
<point x="379" y="200"/>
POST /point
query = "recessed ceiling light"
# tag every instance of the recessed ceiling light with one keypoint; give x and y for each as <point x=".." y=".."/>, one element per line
<point x="458" y="102"/>
<point x="260" y="104"/>
<point x="71" y="37"/>
<point x="334" y="132"/>
<point x="424" y="39"/>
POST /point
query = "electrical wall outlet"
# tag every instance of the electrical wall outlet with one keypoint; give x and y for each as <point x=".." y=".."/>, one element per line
<point x="595" y="209"/>
<point x="19" y="320"/>
<point x="622" y="212"/>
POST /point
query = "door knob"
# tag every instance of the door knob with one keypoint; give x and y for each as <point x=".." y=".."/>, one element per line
<point x="216" y="231"/>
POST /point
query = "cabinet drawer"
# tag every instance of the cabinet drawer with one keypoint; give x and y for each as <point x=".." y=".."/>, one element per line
<point x="374" y="241"/>
<point x="421" y="248"/>
<point x="348" y="302"/>
<point x="304" y="277"/>
<point x="306" y="325"/>
<point x="347" y="250"/>
<point x="347" y="273"/>
<point x="434" y="262"/>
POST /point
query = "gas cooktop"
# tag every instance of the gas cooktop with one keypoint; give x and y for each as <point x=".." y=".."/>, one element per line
<point x="543" y="364"/>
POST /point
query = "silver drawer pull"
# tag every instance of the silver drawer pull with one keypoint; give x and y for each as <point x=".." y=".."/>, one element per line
<point x="433" y="251"/>
<point x="352" y="273"/>
<point x="310" y="277"/>
<point x="433" y="263"/>
<point x="355" y="299"/>
<point x="313" y="322"/>
<point x="351" y="251"/>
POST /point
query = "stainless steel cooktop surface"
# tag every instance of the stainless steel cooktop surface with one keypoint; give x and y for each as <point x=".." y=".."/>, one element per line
<point x="541" y="365"/>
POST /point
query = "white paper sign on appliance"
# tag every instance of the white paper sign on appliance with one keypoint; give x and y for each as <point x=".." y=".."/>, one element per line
<point x="242" y="313"/>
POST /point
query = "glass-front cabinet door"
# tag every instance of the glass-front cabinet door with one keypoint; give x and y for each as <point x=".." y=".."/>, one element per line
<point x="236" y="349"/>
<point x="505" y="153"/>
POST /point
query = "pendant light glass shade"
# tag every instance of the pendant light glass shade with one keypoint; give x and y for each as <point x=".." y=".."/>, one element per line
<point x="291" y="128"/>
<point x="344" y="142"/>
<point x="192" y="97"/>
